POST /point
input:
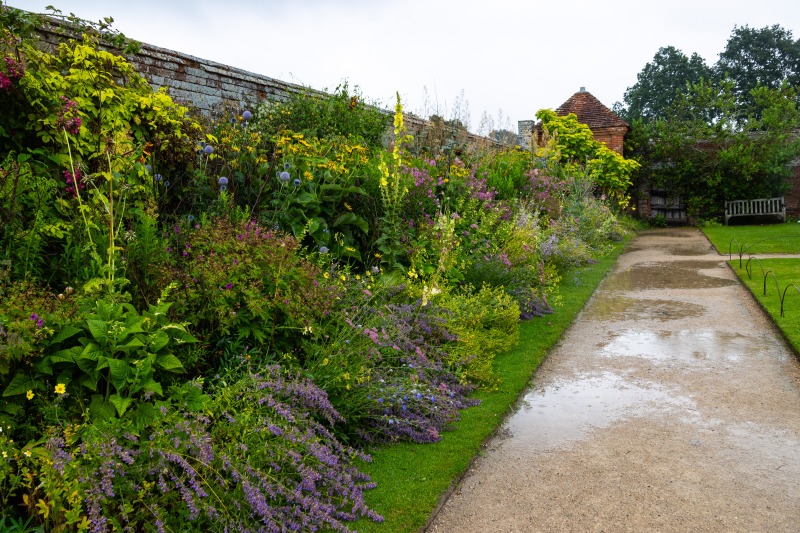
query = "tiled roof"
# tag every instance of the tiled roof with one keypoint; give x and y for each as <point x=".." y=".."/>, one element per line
<point x="590" y="111"/>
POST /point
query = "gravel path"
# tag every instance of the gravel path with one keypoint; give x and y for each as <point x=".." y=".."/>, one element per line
<point x="671" y="404"/>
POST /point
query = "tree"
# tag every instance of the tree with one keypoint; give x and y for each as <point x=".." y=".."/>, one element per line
<point x="768" y="56"/>
<point x="660" y="82"/>
<point x="711" y="150"/>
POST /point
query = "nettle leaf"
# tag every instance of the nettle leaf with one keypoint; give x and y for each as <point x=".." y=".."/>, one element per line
<point x="70" y="355"/>
<point x="153" y="386"/>
<point x="20" y="384"/>
<point x="158" y="340"/>
<point x="169" y="362"/>
<point x="120" y="404"/>
<point x="119" y="371"/>
<point x="99" y="330"/>
<point x="133" y="345"/>
<point x="100" y="409"/>
<point x="64" y="334"/>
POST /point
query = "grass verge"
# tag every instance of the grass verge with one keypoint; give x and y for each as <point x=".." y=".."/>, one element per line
<point x="780" y="274"/>
<point x="772" y="239"/>
<point x="412" y="478"/>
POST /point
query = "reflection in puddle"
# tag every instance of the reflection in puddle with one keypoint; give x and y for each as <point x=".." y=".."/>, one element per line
<point x="675" y="275"/>
<point x="692" y="345"/>
<point x="621" y="308"/>
<point x="568" y="410"/>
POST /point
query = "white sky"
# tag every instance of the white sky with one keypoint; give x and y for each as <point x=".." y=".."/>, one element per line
<point x="507" y="56"/>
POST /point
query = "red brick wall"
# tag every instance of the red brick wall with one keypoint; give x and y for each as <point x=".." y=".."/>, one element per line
<point x="612" y="137"/>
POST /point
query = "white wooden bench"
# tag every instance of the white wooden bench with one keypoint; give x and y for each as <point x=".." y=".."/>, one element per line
<point x="758" y="207"/>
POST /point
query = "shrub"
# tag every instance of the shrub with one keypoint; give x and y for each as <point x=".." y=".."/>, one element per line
<point x="486" y="322"/>
<point x="238" y="281"/>
<point x="256" y="453"/>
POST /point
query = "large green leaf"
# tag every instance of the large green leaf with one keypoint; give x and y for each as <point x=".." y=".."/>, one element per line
<point x="352" y="218"/>
<point x="64" y="334"/>
<point x="70" y="355"/>
<point x="120" y="404"/>
<point x="20" y="384"/>
<point x="169" y="362"/>
<point x="119" y="371"/>
<point x="100" y="409"/>
<point x="98" y="329"/>
<point x="158" y="340"/>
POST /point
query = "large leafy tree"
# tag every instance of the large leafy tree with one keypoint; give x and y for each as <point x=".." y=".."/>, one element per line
<point x="768" y="57"/>
<point x="711" y="150"/>
<point x="660" y="82"/>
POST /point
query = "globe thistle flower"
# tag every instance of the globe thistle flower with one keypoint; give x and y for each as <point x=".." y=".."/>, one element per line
<point x="247" y="115"/>
<point x="223" y="180"/>
<point x="286" y="166"/>
<point x="158" y="177"/>
<point x="323" y="249"/>
<point x="223" y="188"/>
<point x="284" y="176"/>
<point x="208" y="149"/>
<point x="297" y="182"/>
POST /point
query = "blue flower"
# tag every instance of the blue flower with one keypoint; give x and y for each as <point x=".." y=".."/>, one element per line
<point x="284" y="176"/>
<point x="190" y="218"/>
<point x="166" y="183"/>
<point x="247" y="115"/>
<point x="223" y="188"/>
<point x="297" y="182"/>
<point x="223" y="180"/>
<point x="208" y="149"/>
<point x="157" y="177"/>
<point x="323" y="249"/>
<point x="148" y="168"/>
<point x="286" y="166"/>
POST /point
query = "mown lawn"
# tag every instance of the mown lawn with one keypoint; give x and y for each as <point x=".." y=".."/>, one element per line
<point x="772" y="239"/>
<point x="782" y="278"/>
<point x="746" y="243"/>
<point x="412" y="478"/>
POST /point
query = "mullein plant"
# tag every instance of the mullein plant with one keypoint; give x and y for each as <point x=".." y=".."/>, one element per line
<point x="393" y="191"/>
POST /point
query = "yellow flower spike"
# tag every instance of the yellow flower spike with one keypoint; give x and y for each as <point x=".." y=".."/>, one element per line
<point x="60" y="388"/>
<point x="29" y="395"/>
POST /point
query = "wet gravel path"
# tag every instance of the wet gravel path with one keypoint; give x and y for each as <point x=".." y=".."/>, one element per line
<point x="671" y="404"/>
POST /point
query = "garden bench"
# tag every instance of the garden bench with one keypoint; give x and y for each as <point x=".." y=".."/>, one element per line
<point x="759" y="206"/>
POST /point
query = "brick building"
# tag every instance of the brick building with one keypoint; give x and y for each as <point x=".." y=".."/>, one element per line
<point x="606" y="126"/>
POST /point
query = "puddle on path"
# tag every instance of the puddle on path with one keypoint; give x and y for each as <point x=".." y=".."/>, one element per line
<point x="622" y="308"/>
<point x="568" y="410"/>
<point x="689" y="345"/>
<point x="673" y="275"/>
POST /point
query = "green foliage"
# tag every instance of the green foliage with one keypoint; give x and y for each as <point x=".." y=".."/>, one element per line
<point x="237" y="281"/>
<point x="574" y="145"/>
<point x="506" y="171"/>
<point x="343" y="113"/>
<point x="711" y="150"/>
<point x="767" y="57"/>
<point x="115" y="354"/>
<point x="486" y="323"/>
<point x="660" y="81"/>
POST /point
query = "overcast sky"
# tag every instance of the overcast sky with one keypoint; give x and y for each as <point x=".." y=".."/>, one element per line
<point x="509" y="58"/>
